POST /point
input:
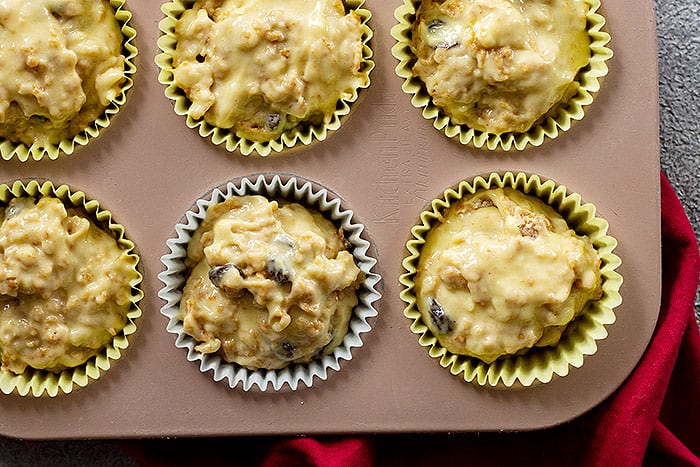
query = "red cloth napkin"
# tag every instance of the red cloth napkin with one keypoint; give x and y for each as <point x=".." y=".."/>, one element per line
<point x="653" y="419"/>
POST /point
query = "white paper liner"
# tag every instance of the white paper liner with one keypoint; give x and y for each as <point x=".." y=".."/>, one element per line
<point x="291" y="188"/>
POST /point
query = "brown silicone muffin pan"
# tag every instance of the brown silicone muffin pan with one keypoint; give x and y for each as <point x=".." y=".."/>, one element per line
<point x="386" y="162"/>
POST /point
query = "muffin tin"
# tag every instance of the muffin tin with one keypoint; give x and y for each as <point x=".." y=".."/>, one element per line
<point x="386" y="162"/>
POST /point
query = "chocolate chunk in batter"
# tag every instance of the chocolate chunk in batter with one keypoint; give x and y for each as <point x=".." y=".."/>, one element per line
<point x="287" y="351"/>
<point x="434" y="25"/>
<point x="276" y="272"/>
<point x="217" y="273"/>
<point x="439" y="318"/>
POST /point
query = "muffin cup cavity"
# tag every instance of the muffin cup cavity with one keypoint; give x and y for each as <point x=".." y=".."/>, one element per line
<point x="40" y="382"/>
<point x="295" y="138"/>
<point x="558" y="120"/>
<point x="23" y="152"/>
<point x="294" y="189"/>
<point x="537" y="365"/>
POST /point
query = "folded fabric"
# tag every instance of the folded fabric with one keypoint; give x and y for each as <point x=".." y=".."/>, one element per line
<point x="652" y="419"/>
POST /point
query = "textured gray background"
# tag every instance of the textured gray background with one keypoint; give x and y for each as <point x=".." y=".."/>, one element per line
<point x="679" y="74"/>
<point x="678" y="23"/>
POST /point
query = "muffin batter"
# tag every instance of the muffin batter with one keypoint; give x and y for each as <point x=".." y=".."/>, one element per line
<point x="301" y="57"/>
<point x="500" y="65"/>
<point x="272" y="284"/>
<point x="503" y="273"/>
<point x="64" y="286"/>
<point x="61" y="67"/>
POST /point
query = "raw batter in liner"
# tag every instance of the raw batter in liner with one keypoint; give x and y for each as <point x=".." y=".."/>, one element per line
<point x="503" y="273"/>
<point x="65" y="286"/>
<point x="272" y="284"/>
<point x="263" y="67"/>
<point x="500" y="65"/>
<point x="61" y="67"/>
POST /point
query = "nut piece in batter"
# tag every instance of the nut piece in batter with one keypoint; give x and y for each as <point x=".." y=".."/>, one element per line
<point x="500" y="66"/>
<point x="271" y="283"/>
<point x="65" y="286"/>
<point x="503" y="273"/>
<point x="61" y="67"/>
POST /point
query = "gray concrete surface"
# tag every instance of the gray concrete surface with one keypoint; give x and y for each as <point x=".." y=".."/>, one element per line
<point x="678" y="24"/>
<point x="679" y="96"/>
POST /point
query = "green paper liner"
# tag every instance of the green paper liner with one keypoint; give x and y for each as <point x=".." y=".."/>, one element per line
<point x="40" y="382"/>
<point x="294" y="138"/>
<point x="579" y="339"/>
<point x="23" y="152"/>
<point x="559" y="120"/>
